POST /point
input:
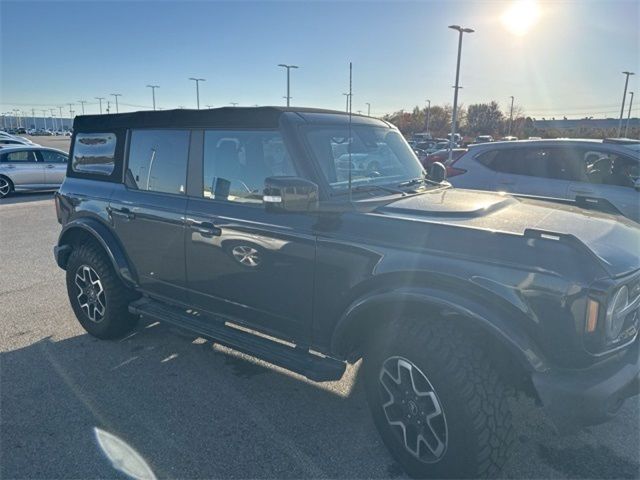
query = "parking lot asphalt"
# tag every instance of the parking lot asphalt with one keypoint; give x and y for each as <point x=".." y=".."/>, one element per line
<point x="194" y="410"/>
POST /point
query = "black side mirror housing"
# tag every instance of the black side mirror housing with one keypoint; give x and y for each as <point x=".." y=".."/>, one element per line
<point x="437" y="172"/>
<point x="290" y="194"/>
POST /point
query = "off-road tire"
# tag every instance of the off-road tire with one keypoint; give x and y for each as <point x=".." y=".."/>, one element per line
<point x="478" y="426"/>
<point x="116" y="320"/>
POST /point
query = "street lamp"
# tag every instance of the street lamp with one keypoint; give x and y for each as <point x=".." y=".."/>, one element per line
<point x="288" y="67"/>
<point x="454" y="118"/>
<point x="348" y="95"/>
<point x="198" y="80"/>
<point x="368" y="109"/>
<point x="153" y="93"/>
<point x="510" y="116"/>
<point x="624" y="97"/>
<point x="44" y="116"/>
<point x="116" y="95"/>
<point x="626" y="129"/>
<point x="234" y="104"/>
<point x="100" y="100"/>
<point x="82" y="102"/>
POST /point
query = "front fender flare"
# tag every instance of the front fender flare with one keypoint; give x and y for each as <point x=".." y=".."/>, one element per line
<point x="107" y="241"/>
<point x="494" y="321"/>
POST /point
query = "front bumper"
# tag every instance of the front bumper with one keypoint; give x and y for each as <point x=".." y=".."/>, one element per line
<point x="577" y="398"/>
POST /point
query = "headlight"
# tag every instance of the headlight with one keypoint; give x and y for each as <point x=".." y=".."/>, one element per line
<point x="616" y="313"/>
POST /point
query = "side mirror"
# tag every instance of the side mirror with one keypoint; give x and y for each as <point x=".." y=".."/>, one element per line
<point x="290" y="194"/>
<point x="636" y="184"/>
<point x="437" y="172"/>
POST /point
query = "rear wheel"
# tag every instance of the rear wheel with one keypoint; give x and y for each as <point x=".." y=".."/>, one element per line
<point x="5" y="186"/>
<point x="98" y="297"/>
<point x="439" y="406"/>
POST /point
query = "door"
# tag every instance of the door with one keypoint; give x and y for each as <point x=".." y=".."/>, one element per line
<point x="610" y="176"/>
<point x="23" y="168"/>
<point x="55" y="166"/>
<point x="148" y="210"/>
<point x="244" y="263"/>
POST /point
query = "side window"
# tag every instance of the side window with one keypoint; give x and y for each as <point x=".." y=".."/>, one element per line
<point x="51" y="156"/>
<point x="158" y="160"/>
<point x="94" y="153"/>
<point x="236" y="163"/>
<point x="20" y="156"/>
<point x="503" y="161"/>
<point x="607" y="168"/>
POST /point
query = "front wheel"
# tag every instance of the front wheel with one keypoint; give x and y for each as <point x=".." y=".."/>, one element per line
<point x="438" y="405"/>
<point x="98" y="297"/>
<point x="5" y="186"/>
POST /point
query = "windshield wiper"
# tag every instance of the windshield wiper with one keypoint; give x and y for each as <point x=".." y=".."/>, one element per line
<point x="366" y="188"/>
<point x="415" y="181"/>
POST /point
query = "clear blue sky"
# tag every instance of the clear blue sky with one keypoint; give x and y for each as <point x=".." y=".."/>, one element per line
<point x="568" y="63"/>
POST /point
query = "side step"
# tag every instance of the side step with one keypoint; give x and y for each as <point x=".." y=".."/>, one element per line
<point x="296" y="359"/>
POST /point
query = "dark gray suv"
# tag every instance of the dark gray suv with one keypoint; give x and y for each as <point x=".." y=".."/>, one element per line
<point x="258" y="228"/>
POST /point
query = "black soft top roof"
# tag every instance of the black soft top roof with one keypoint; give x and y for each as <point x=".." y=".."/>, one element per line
<point x="229" y="117"/>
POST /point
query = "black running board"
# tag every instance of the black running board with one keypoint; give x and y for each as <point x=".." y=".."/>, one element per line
<point x="296" y="359"/>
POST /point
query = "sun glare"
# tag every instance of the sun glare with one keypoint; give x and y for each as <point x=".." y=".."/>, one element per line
<point x="521" y="16"/>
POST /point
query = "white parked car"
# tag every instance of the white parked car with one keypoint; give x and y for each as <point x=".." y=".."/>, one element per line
<point x="563" y="169"/>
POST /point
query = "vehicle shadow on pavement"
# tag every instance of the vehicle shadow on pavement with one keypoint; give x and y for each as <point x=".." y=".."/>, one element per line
<point x="189" y="409"/>
<point x="25" y="197"/>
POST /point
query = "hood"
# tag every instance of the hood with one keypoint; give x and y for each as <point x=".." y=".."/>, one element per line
<point x="614" y="240"/>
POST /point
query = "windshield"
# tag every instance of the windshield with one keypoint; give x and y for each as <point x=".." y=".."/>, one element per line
<point x="379" y="155"/>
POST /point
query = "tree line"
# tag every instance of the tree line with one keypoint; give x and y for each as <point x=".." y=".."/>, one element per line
<point x="487" y="119"/>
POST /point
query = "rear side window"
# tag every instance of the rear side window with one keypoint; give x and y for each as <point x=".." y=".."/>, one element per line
<point x="94" y="153"/>
<point x="555" y="163"/>
<point x="21" y="156"/>
<point x="158" y="160"/>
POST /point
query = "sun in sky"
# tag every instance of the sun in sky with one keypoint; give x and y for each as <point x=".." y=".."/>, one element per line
<point x="521" y="16"/>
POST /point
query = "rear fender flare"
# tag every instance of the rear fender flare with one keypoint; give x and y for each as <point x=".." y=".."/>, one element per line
<point x="107" y="240"/>
<point x="495" y="322"/>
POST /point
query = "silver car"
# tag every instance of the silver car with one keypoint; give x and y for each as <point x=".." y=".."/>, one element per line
<point x="561" y="169"/>
<point x="26" y="167"/>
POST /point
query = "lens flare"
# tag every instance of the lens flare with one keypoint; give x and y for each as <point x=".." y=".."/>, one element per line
<point x="521" y="16"/>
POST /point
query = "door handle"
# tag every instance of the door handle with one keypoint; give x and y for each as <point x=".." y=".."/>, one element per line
<point x="50" y="166"/>
<point x="11" y="166"/>
<point x="121" y="212"/>
<point x="206" y="229"/>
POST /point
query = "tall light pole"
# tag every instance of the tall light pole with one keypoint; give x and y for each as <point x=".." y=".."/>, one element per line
<point x="82" y="102"/>
<point x="626" y="128"/>
<point x="288" y="67"/>
<point x="44" y="116"/>
<point x="53" y="119"/>
<point x="116" y="95"/>
<point x="209" y="106"/>
<point x="234" y="104"/>
<point x="100" y="100"/>
<point x="368" y="109"/>
<point x="153" y="93"/>
<point x="454" y="116"/>
<point x="624" y="97"/>
<point x="61" y="117"/>
<point x="70" y="113"/>
<point x="33" y="114"/>
<point x="198" y="80"/>
<point x="16" y="113"/>
<point x="428" y="114"/>
<point x="510" y="116"/>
